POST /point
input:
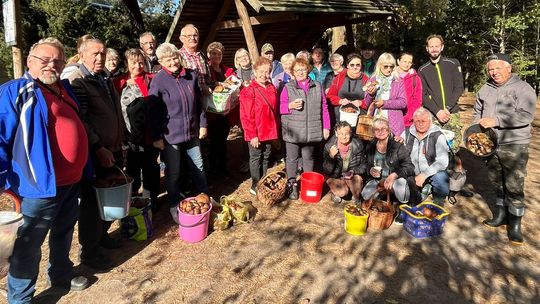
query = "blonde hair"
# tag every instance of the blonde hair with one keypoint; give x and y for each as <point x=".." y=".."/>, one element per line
<point x="240" y="52"/>
<point x="386" y="58"/>
<point x="215" y="46"/>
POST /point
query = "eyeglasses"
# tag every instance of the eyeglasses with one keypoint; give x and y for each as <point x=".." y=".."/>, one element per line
<point x="380" y="130"/>
<point x="191" y="36"/>
<point x="46" y="61"/>
<point x="388" y="66"/>
<point x="300" y="71"/>
<point x="355" y="65"/>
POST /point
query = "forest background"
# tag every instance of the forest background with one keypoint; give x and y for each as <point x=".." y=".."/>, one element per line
<point x="473" y="29"/>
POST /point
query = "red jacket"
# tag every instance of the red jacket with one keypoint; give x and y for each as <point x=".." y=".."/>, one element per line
<point x="333" y="91"/>
<point x="257" y="117"/>
<point x="413" y="91"/>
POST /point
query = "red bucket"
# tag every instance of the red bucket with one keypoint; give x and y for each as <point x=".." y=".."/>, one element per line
<point x="311" y="185"/>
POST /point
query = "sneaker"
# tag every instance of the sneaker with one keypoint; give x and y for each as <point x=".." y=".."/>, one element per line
<point x="253" y="191"/>
<point x="76" y="284"/>
<point x="174" y="213"/>
<point x="335" y="199"/>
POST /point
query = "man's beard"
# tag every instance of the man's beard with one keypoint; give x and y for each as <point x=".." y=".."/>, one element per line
<point x="49" y="79"/>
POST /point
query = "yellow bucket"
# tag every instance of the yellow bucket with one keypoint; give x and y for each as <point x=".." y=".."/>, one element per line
<point x="354" y="224"/>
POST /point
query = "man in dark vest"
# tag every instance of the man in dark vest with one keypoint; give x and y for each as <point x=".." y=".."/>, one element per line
<point x="429" y="154"/>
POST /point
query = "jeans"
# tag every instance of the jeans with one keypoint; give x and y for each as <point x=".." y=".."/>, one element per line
<point x="440" y="184"/>
<point x="172" y="158"/>
<point x="296" y="151"/>
<point x="55" y="214"/>
<point x="258" y="161"/>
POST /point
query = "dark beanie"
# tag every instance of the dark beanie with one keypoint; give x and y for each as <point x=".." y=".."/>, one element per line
<point x="500" y="56"/>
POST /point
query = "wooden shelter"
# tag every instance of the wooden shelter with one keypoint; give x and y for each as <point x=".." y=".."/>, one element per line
<point x="289" y="25"/>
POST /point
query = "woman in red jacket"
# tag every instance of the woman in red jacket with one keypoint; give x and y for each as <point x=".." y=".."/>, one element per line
<point x="348" y="85"/>
<point x="258" y="105"/>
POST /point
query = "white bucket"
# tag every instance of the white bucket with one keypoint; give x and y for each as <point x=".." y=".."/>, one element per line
<point x="10" y="221"/>
<point x="351" y="118"/>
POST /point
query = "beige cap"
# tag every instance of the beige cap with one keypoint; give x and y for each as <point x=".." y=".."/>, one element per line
<point x="267" y="47"/>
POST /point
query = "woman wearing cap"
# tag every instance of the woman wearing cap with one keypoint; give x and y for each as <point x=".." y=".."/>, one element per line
<point x="348" y="86"/>
<point x="305" y="121"/>
<point x="412" y="85"/>
<point x="219" y="125"/>
<point x="385" y="89"/>
<point x="344" y="163"/>
<point x="258" y="114"/>
<point x="388" y="162"/>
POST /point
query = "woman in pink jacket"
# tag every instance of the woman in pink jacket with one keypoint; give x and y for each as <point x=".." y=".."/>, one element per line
<point x="412" y="84"/>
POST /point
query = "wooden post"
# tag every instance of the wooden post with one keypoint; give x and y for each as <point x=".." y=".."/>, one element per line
<point x="248" y="30"/>
<point x="17" y="62"/>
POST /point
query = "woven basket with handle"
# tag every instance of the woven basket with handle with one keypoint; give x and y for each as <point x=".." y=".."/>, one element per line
<point x="364" y="127"/>
<point x="271" y="188"/>
<point x="381" y="213"/>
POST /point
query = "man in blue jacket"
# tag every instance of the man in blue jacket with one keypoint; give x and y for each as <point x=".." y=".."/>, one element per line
<point x="43" y="151"/>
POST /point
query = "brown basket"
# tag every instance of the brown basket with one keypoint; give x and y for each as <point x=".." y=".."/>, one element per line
<point x="381" y="213"/>
<point x="271" y="188"/>
<point x="364" y="128"/>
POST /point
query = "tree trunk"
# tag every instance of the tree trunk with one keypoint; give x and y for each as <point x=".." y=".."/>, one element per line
<point x="502" y="30"/>
<point x="338" y="37"/>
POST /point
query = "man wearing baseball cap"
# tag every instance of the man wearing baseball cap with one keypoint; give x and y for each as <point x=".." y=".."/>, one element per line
<point x="267" y="51"/>
<point x="507" y="104"/>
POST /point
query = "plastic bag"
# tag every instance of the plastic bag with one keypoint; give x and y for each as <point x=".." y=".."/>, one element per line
<point x="138" y="224"/>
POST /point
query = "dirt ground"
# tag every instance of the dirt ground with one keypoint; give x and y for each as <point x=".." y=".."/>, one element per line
<point x="299" y="253"/>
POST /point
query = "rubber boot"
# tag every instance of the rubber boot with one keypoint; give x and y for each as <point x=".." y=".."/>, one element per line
<point x="293" y="190"/>
<point x="514" y="229"/>
<point x="499" y="217"/>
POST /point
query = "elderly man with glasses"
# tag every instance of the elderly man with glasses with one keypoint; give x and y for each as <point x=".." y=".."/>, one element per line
<point x="43" y="150"/>
<point x="192" y="59"/>
<point x="147" y="42"/>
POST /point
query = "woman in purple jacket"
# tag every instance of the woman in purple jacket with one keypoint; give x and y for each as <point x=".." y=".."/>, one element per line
<point x="385" y="89"/>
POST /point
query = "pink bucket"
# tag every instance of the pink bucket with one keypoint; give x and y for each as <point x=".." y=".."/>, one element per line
<point x="193" y="228"/>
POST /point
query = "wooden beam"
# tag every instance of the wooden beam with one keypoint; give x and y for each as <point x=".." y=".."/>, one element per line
<point x="248" y="30"/>
<point x="213" y="28"/>
<point x="175" y="21"/>
<point x="257" y="20"/>
<point x="255" y="4"/>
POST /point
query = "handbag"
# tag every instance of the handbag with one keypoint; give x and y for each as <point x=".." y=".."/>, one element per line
<point x="138" y="224"/>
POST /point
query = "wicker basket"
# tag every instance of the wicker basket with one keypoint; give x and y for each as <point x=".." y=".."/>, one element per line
<point x="364" y="128"/>
<point x="381" y="213"/>
<point x="271" y="188"/>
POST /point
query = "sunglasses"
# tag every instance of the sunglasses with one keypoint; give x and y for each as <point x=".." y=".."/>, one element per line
<point x="388" y="66"/>
<point x="355" y="65"/>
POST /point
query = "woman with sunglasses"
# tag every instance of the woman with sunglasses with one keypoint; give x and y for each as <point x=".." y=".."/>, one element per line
<point x="385" y="89"/>
<point x="348" y="85"/>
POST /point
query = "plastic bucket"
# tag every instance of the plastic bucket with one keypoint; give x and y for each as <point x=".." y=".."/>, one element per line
<point x="114" y="202"/>
<point x="354" y="224"/>
<point x="311" y="185"/>
<point x="351" y="118"/>
<point x="193" y="228"/>
<point x="10" y="221"/>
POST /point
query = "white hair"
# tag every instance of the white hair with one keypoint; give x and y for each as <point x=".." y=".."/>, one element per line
<point x="166" y="50"/>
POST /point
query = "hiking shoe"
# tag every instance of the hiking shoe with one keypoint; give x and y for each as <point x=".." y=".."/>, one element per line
<point x="293" y="195"/>
<point x="398" y="220"/>
<point x="253" y="191"/>
<point x="335" y="199"/>
<point x="97" y="262"/>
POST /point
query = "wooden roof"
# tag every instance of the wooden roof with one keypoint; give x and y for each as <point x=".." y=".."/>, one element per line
<point x="289" y="25"/>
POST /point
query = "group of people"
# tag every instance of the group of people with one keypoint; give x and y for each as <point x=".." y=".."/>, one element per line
<point x="63" y="126"/>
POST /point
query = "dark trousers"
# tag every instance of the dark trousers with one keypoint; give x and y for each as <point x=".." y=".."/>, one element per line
<point x="258" y="161"/>
<point x="506" y="172"/>
<point x="145" y="161"/>
<point x="295" y="152"/>
<point x="218" y="131"/>
<point x="92" y="229"/>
